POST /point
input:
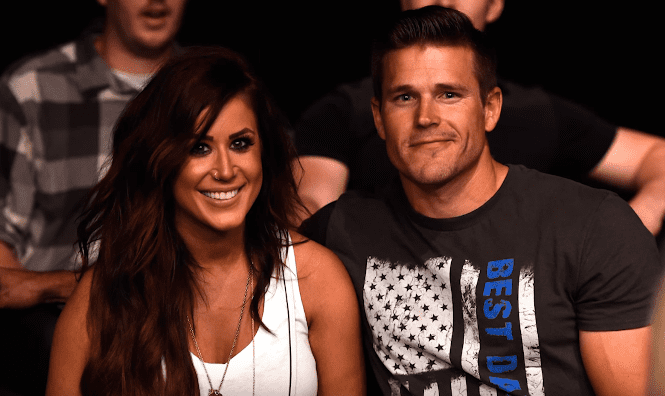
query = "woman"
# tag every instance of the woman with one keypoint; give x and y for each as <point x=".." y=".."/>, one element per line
<point x="195" y="287"/>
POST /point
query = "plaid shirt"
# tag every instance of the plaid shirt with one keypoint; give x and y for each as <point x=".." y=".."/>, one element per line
<point x="57" y="113"/>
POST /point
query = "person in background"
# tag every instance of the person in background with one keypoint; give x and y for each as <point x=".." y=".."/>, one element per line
<point x="475" y="277"/>
<point x="57" y="111"/>
<point x="198" y="286"/>
<point x="340" y="150"/>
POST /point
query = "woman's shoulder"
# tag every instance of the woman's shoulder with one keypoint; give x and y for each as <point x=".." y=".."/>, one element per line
<point x="312" y="257"/>
<point x="81" y="293"/>
<point x="71" y="342"/>
<point x="325" y="286"/>
<point x="76" y="309"/>
<point x="321" y="273"/>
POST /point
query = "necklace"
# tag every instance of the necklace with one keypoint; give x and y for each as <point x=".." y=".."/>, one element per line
<point x="218" y="391"/>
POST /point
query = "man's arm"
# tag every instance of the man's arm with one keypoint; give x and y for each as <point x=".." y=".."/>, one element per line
<point x="8" y="258"/>
<point x="636" y="161"/>
<point x="21" y="288"/>
<point x="617" y="362"/>
<point x="321" y="181"/>
<point x="617" y="280"/>
<point x="657" y="364"/>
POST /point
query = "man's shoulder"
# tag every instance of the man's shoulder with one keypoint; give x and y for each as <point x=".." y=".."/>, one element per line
<point x="343" y="108"/>
<point x="361" y="201"/>
<point x="519" y="96"/>
<point x="354" y="209"/>
<point x="556" y="197"/>
<point x="361" y="195"/>
<point x="355" y="203"/>
<point x="539" y="182"/>
<point x="364" y="213"/>
<point x="59" y="74"/>
<point x="45" y="74"/>
<point x="60" y="58"/>
<point x="359" y="92"/>
<point x="352" y="99"/>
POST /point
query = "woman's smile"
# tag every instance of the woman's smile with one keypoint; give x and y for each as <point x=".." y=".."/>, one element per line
<point x="221" y="196"/>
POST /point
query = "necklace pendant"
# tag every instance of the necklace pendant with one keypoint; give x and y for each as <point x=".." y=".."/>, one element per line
<point x="214" y="392"/>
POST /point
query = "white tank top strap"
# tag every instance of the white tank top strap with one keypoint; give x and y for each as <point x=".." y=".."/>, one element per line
<point x="293" y="307"/>
<point x="284" y="361"/>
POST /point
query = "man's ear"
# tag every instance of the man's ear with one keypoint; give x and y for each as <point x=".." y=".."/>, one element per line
<point x="493" y="105"/>
<point x="494" y="10"/>
<point x="378" y="122"/>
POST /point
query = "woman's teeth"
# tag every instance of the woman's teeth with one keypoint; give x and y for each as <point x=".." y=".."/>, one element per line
<point x="221" y="195"/>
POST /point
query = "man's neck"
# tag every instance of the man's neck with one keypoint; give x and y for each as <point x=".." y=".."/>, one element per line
<point x="118" y="57"/>
<point x="460" y="195"/>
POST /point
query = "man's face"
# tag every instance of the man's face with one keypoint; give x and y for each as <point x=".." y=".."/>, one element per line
<point x="432" y="115"/>
<point x="480" y="12"/>
<point x="144" y="26"/>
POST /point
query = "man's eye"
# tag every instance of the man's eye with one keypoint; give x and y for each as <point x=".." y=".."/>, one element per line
<point x="449" y="95"/>
<point x="200" y="149"/>
<point x="404" y="97"/>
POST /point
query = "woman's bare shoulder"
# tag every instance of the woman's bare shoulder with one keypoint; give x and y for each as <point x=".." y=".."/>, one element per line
<point x="312" y="257"/>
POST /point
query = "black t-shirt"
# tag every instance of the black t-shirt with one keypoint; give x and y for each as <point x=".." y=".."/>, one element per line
<point x="492" y="301"/>
<point x="536" y="129"/>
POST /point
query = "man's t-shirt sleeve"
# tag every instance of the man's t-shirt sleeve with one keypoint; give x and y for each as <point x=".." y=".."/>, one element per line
<point x="316" y="227"/>
<point x="619" y="270"/>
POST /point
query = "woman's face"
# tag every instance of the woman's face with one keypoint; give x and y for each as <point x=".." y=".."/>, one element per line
<point x="222" y="176"/>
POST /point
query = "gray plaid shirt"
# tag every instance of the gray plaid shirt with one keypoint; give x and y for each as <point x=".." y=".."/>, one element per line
<point x="57" y="113"/>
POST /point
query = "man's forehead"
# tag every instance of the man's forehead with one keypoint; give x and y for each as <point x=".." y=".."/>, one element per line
<point x="431" y="51"/>
<point x="429" y="63"/>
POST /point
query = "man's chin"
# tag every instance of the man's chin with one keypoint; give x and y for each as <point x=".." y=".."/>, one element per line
<point x="152" y="49"/>
<point x="428" y="178"/>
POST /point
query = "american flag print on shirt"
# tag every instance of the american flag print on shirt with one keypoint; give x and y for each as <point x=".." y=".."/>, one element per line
<point x="455" y="328"/>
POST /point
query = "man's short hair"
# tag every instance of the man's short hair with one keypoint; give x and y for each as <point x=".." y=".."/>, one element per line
<point x="438" y="26"/>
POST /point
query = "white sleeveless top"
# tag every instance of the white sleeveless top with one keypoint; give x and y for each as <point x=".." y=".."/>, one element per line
<point x="284" y="361"/>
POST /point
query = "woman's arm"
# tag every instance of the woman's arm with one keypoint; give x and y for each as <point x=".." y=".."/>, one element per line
<point x="69" y="352"/>
<point x="333" y="319"/>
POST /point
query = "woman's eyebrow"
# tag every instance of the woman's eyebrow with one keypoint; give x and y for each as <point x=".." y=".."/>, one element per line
<point x="241" y="132"/>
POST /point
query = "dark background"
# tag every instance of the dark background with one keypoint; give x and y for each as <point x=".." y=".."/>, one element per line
<point x="598" y="54"/>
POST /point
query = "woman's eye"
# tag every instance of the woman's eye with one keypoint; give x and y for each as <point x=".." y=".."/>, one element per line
<point x="200" y="149"/>
<point x="242" y="144"/>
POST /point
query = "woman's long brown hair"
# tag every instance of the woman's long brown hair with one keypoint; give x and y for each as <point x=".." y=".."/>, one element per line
<point x="143" y="284"/>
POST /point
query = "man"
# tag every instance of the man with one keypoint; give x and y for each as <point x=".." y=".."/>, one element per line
<point x="57" y="112"/>
<point x="478" y="278"/>
<point x="657" y="364"/>
<point x="339" y="148"/>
